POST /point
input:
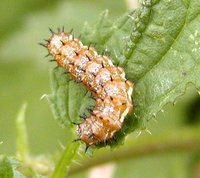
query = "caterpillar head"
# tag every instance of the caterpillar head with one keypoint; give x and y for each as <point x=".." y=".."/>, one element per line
<point x="63" y="45"/>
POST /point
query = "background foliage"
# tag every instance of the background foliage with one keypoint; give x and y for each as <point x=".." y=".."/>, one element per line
<point x="24" y="77"/>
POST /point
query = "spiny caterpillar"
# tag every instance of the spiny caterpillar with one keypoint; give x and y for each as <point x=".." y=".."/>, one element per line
<point x="107" y="83"/>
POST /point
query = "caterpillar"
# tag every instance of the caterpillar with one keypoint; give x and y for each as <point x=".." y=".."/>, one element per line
<point x="107" y="83"/>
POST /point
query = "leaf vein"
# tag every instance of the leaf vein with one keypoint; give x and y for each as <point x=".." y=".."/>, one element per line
<point x="170" y="46"/>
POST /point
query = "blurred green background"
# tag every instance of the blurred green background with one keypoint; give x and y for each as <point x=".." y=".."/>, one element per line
<point x="24" y="77"/>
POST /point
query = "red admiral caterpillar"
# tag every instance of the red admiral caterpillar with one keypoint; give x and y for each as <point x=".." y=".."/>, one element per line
<point x="106" y="82"/>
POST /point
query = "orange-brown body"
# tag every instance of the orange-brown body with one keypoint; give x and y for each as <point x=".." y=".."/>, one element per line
<point x="106" y="82"/>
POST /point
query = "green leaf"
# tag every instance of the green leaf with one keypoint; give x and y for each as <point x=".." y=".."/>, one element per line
<point x="6" y="170"/>
<point x="68" y="100"/>
<point x="8" y="167"/>
<point x="166" y="58"/>
<point x="159" y="47"/>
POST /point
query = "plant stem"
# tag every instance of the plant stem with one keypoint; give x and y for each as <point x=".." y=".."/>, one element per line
<point x="184" y="140"/>
<point x="21" y="135"/>
<point x="62" y="167"/>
